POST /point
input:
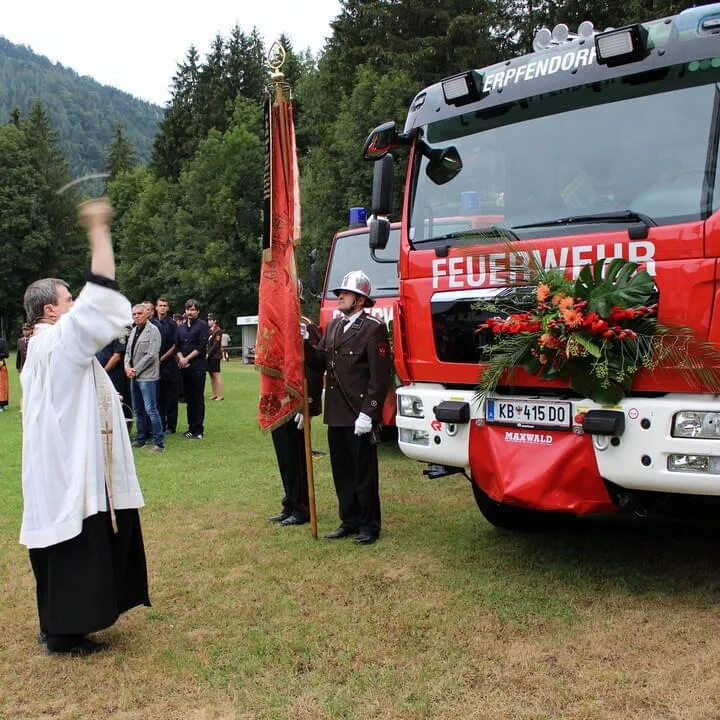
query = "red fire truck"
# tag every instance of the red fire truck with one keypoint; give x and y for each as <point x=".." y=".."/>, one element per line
<point x="349" y="251"/>
<point x="596" y="145"/>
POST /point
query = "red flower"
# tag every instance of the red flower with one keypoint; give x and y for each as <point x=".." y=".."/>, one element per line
<point x="619" y="314"/>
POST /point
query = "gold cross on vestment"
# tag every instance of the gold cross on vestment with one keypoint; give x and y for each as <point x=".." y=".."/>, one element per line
<point x="107" y="432"/>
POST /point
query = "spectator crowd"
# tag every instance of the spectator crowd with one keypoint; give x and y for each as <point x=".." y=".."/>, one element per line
<point x="163" y="360"/>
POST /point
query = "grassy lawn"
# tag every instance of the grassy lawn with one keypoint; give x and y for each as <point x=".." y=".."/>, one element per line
<point x="445" y="617"/>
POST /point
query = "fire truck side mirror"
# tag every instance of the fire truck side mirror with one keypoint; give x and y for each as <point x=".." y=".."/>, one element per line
<point x="444" y="165"/>
<point x="380" y="141"/>
<point x="379" y="233"/>
<point x="381" y="201"/>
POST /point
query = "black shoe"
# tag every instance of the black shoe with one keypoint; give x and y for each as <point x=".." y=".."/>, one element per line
<point x="193" y="436"/>
<point x="295" y="520"/>
<point x="85" y="648"/>
<point x="73" y="645"/>
<point x="279" y="517"/>
<point x="341" y="532"/>
<point x="364" y="538"/>
<point x="41" y="637"/>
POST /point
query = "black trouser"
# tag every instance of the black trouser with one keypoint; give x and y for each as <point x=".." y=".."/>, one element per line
<point x="354" y="464"/>
<point x="193" y="380"/>
<point x="289" y="445"/>
<point x="168" y="394"/>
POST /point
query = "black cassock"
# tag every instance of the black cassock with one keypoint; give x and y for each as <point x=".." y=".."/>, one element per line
<point x="83" y="584"/>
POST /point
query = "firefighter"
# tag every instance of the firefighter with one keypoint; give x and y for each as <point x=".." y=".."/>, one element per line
<point x="355" y="353"/>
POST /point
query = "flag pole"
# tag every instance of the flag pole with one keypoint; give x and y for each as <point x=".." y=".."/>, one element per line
<point x="276" y="59"/>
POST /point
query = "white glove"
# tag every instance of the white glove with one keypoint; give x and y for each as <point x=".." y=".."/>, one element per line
<point x="304" y="334"/>
<point x="363" y="424"/>
<point x="300" y="420"/>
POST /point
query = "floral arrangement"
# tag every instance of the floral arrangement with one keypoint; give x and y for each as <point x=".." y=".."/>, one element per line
<point x="595" y="333"/>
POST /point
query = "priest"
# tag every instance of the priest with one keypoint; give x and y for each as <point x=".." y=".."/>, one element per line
<point x="81" y="494"/>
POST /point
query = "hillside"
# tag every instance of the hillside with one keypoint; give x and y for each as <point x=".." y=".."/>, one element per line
<point x="82" y="111"/>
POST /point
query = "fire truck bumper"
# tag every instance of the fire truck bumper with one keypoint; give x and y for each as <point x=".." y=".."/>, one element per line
<point x="668" y="444"/>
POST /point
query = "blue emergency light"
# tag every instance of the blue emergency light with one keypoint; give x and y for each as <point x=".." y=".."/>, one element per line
<point x="357" y="217"/>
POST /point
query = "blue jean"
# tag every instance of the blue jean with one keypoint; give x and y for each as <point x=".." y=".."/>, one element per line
<point x="144" y="396"/>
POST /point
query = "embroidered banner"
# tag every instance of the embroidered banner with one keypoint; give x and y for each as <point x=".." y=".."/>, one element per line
<point x="278" y="348"/>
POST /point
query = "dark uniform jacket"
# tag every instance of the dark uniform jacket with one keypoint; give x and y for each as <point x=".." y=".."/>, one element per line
<point x="214" y="346"/>
<point x="358" y="366"/>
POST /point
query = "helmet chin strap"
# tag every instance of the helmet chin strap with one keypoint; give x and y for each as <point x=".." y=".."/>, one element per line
<point x="351" y="309"/>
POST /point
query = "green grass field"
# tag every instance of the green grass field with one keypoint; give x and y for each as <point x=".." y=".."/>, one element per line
<point x="445" y="617"/>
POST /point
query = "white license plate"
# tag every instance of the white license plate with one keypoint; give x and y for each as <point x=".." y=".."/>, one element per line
<point x="528" y="413"/>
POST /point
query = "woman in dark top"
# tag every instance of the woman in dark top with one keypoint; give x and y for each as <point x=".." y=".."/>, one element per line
<point x="214" y="357"/>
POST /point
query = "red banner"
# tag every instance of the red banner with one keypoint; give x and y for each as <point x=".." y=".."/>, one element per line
<point x="278" y="348"/>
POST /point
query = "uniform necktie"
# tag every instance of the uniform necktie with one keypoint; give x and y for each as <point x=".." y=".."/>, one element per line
<point x="341" y="328"/>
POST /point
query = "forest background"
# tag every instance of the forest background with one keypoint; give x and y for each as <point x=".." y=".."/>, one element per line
<point x="188" y="209"/>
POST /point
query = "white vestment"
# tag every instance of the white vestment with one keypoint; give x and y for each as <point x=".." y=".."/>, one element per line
<point x="64" y="445"/>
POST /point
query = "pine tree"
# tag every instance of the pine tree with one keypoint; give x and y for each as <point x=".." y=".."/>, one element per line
<point x="24" y="231"/>
<point x="64" y="245"/>
<point x="212" y="92"/>
<point x="176" y="140"/>
<point x="120" y="156"/>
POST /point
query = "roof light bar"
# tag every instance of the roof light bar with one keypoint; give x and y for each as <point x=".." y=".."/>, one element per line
<point x="560" y="34"/>
<point x="618" y="47"/>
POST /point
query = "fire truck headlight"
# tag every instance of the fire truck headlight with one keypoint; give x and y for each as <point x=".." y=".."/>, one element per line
<point x="693" y="424"/>
<point x="687" y="424"/>
<point x="410" y="406"/>
<point x="413" y="437"/>
<point x="692" y="464"/>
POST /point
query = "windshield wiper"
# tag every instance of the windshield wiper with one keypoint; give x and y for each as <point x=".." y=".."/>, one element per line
<point x="491" y="232"/>
<point x="625" y="216"/>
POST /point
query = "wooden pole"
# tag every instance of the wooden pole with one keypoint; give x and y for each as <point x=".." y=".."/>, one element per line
<point x="309" y="461"/>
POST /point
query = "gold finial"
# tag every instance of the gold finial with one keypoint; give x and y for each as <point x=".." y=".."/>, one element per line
<point x="275" y="60"/>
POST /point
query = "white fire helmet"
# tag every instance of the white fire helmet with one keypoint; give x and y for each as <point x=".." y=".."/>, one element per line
<point x="356" y="281"/>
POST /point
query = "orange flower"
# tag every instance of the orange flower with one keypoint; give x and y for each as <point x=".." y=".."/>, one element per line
<point x="547" y="340"/>
<point x="557" y="297"/>
<point x="543" y="292"/>
<point x="543" y="358"/>
<point x="565" y="303"/>
<point x="571" y="318"/>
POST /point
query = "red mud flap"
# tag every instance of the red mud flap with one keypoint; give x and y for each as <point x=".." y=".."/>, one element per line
<point x="538" y="469"/>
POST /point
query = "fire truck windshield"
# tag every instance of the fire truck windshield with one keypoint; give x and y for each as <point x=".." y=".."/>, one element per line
<point x="351" y="252"/>
<point x="568" y="161"/>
